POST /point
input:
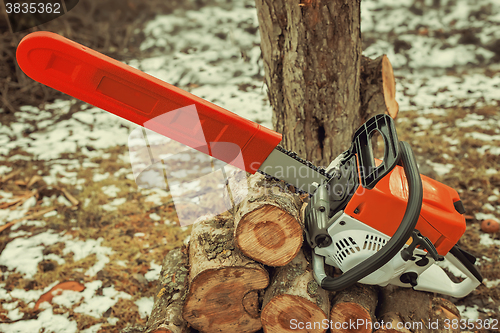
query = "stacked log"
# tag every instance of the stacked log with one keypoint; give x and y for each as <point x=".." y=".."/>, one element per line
<point x="294" y="301"/>
<point x="230" y="280"/>
<point x="222" y="295"/>
<point x="171" y="291"/>
<point x="403" y="310"/>
<point x="354" y="305"/>
<point x="268" y="224"/>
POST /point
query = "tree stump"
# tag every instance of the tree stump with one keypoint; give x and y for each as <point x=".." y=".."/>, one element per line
<point x="356" y="304"/>
<point x="223" y="288"/>
<point x="403" y="310"/>
<point x="268" y="226"/>
<point x="294" y="302"/>
<point x="378" y="88"/>
<point x="170" y="294"/>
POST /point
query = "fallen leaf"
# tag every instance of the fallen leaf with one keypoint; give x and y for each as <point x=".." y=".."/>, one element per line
<point x="490" y="226"/>
<point x="57" y="290"/>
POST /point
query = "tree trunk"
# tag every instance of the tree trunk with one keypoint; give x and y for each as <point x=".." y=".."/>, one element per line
<point x="170" y="294"/>
<point x="223" y="288"/>
<point x="356" y="304"/>
<point x="294" y="301"/>
<point x="420" y="311"/>
<point x="268" y="226"/>
<point x="312" y="59"/>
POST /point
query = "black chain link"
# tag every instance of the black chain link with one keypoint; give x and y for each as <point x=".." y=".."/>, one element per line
<point x="302" y="161"/>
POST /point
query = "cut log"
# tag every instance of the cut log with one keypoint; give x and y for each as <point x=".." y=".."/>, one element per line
<point x="223" y="288"/>
<point x="356" y="304"/>
<point x="378" y="87"/>
<point x="268" y="226"/>
<point x="404" y="310"/>
<point x="294" y="302"/>
<point x="170" y="294"/>
<point x="444" y="311"/>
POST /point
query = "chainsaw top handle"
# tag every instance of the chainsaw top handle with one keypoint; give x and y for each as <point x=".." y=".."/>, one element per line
<point x="394" y="245"/>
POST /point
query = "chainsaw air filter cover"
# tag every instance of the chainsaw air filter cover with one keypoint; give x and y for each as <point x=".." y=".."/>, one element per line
<point x="352" y="243"/>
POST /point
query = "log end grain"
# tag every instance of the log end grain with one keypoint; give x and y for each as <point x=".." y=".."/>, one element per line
<point x="350" y="312"/>
<point x="218" y="300"/>
<point x="269" y="235"/>
<point x="378" y="88"/>
<point x="355" y="304"/>
<point x="284" y="313"/>
<point x="389" y="87"/>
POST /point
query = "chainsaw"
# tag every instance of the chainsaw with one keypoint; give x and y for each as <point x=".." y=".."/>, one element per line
<point x="378" y="221"/>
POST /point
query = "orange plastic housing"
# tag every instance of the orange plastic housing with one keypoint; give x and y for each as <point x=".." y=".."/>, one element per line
<point x="143" y="99"/>
<point x="383" y="207"/>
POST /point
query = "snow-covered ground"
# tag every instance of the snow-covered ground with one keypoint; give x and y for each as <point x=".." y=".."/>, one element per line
<point x="445" y="55"/>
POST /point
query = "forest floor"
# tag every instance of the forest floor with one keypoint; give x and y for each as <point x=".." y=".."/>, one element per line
<point x="70" y="208"/>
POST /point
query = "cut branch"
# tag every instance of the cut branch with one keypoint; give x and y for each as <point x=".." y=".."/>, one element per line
<point x="378" y="87"/>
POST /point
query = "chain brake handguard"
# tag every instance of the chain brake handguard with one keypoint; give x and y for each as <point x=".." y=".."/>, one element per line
<point x="356" y="167"/>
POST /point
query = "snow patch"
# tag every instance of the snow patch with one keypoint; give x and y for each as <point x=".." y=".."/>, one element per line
<point x="23" y="254"/>
<point x="82" y="249"/>
<point x="145" y="305"/>
<point x="440" y="169"/>
<point x="154" y="272"/>
<point x="471" y="313"/>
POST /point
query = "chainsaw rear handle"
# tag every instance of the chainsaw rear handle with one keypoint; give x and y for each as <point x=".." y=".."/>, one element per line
<point x="394" y="245"/>
<point x="435" y="279"/>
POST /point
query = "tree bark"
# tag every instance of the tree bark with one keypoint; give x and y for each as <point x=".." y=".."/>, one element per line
<point x="170" y="294"/>
<point x="312" y="60"/>
<point x="378" y="88"/>
<point x="223" y="288"/>
<point x="356" y="304"/>
<point x="294" y="297"/>
<point x="410" y="308"/>
<point x="268" y="225"/>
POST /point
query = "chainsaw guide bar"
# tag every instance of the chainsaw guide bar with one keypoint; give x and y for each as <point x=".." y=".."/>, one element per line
<point x="287" y="166"/>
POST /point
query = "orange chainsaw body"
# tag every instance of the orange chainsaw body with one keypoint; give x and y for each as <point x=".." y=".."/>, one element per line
<point x="383" y="207"/>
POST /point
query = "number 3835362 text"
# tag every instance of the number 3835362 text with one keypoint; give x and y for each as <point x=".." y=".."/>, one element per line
<point x="33" y="8"/>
